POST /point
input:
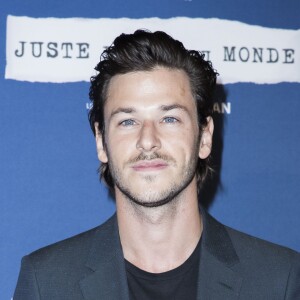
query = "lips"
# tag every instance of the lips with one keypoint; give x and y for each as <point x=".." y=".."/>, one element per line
<point x="153" y="165"/>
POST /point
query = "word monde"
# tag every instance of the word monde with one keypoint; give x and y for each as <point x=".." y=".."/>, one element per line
<point x="259" y="55"/>
<point x="52" y="49"/>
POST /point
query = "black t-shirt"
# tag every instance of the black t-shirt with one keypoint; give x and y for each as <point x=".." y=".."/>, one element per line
<point x="177" y="284"/>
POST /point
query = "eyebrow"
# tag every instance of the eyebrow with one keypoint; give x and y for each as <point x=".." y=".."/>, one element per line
<point x="173" y="106"/>
<point x="126" y="110"/>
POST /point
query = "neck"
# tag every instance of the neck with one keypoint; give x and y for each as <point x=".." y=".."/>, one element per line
<point x="159" y="239"/>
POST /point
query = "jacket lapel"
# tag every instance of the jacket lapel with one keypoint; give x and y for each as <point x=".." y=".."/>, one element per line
<point x="108" y="276"/>
<point x="220" y="271"/>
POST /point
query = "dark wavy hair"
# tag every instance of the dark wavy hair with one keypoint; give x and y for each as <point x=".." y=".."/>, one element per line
<point x="144" y="51"/>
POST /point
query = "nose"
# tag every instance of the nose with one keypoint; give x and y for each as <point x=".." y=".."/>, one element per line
<point x="148" y="139"/>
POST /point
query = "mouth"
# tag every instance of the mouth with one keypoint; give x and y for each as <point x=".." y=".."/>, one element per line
<point x="152" y="165"/>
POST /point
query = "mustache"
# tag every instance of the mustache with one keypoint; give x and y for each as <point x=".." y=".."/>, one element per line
<point x="154" y="155"/>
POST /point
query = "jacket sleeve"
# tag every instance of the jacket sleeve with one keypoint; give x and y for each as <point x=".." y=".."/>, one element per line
<point x="293" y="285"/>
<point x="27" y="286"/>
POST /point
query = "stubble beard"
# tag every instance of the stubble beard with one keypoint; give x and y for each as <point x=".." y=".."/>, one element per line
<point x="152" y="199"/>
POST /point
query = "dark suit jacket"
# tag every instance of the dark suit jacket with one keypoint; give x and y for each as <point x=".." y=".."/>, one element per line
<point x="91" y="266"/>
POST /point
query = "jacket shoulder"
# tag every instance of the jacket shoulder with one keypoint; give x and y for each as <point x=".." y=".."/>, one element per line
<point x="267" y="270"/>
<point x="249" y="246"/>
<point x="54" y="272"/>
<point x="267" y="265"/>
<point x="74" y="249"/>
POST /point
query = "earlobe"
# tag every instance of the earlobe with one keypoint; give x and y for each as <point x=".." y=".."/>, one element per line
<point x="206" y="139"/>
<point x="99" y="144"/>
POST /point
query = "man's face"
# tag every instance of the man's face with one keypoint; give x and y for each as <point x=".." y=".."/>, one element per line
<point x="151" y="135"/>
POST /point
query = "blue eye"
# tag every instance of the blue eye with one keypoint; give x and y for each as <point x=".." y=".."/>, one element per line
<point x="170" y="120"/>
<point x="128" y="122"/>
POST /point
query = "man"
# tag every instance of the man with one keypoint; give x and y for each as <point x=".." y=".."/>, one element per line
<point x="151" y="116"/>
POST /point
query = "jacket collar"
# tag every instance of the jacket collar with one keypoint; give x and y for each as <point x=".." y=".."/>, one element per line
<point x="108" y="278"/>
<point x="219" y="272"/>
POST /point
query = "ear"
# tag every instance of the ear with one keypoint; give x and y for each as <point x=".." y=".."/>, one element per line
<point x="206" y="139"/>
<point x="99" y="144"/>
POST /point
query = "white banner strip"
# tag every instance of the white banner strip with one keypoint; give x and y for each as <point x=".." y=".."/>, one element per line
<point x="67" y="50"/>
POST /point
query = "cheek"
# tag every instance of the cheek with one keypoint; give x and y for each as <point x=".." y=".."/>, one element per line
<point x="184" y="138"/>
<point x="182" y="149"/>
<point x="123" y="144"/>
<point x="120" y="149"/>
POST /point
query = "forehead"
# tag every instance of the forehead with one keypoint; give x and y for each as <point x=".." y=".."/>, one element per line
<point x="142" y="89"/>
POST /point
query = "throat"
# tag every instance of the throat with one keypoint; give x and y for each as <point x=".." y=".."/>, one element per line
<point x="161" y="241"/>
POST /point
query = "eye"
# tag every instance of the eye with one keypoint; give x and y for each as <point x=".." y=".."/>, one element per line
<point x="128" y="122"/>
<point x="170" y="120"/>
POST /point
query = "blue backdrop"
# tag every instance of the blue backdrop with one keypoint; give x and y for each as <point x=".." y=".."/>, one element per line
<point x="48" y="180"/>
